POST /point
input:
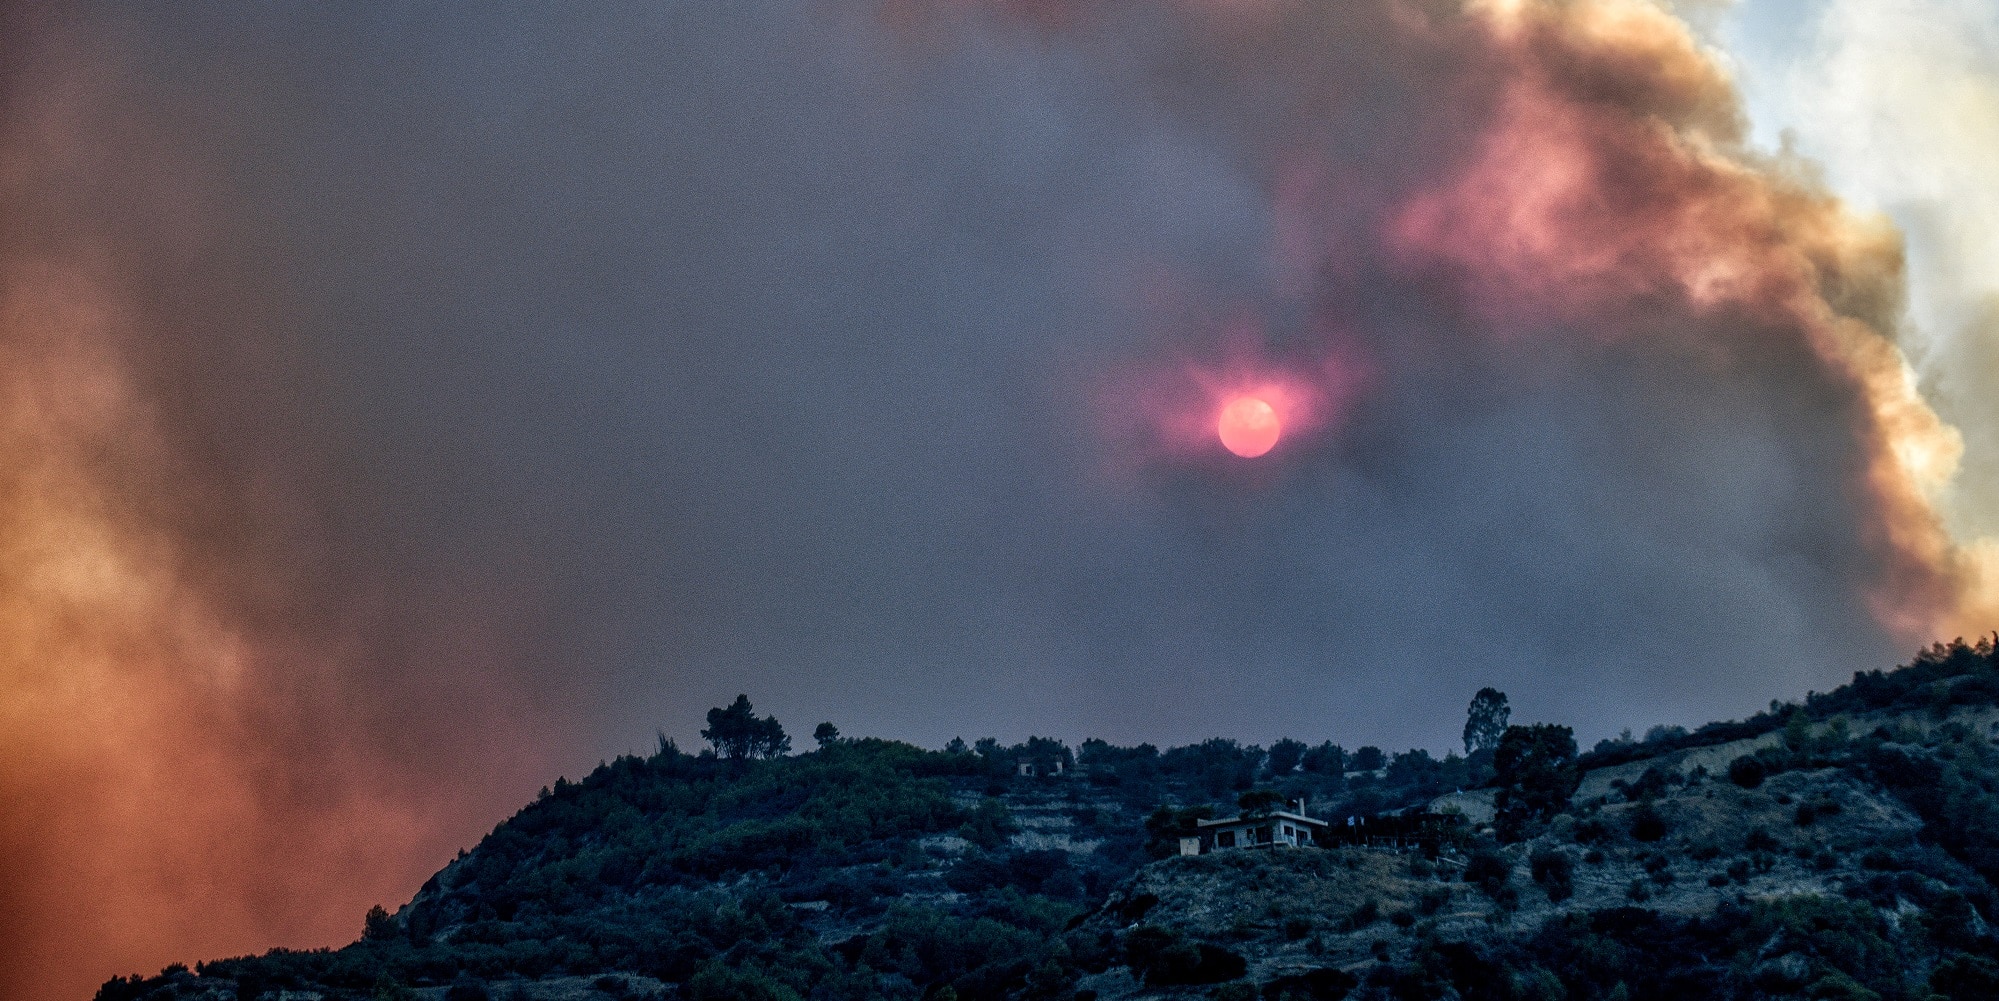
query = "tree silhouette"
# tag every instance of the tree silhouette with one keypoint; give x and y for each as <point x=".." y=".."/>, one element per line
<point x="1285" y="755"/>
<point x="1326" y="759"/>
<point x="1537" y="772"/>
<point x="1485" y="720"/>
<point x="738" y="733"/>
<point x="826" y="734"/>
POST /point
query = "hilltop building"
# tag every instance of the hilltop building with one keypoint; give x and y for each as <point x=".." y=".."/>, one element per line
<point x="1279" y="829"/>
<point x="1044" y="766"/>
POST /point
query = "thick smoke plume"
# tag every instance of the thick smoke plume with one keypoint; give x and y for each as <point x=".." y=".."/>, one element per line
<point x="399" y="409"/>
<point x="1901" y="104"/>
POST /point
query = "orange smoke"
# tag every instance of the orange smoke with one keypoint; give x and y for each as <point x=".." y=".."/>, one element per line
<point x="145" y="816"/>
<point x="1612" y="188"/>
<point x="185" y="773"/>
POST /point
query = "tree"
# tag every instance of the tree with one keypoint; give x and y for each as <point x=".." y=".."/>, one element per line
<point x="1167" y="826"/>
<point x="1326" y="759"/>
<point x="826" y="734"/>
<point x="1285" y="755"/>
<point x="379" y="925"/>
<point x="1259" y="802"/>
<point x="1537" y="773"/>
<point x="1485" y="720"/>
<point x="738" y="733"/>
<point x="1368" y="759"/>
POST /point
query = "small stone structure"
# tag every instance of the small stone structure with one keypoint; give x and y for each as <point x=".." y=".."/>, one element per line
<point x="1033" y="767"/>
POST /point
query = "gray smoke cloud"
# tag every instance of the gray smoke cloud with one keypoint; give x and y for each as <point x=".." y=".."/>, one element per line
<point x="526" y="382"/>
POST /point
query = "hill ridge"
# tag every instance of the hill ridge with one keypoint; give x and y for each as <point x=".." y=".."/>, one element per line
<point x="1845" y="845"/>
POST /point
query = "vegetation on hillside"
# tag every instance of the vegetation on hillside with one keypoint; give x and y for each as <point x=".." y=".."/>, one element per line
<point x="873" y="869"/>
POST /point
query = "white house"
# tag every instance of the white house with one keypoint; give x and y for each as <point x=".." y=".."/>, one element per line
<point x="1280" y="829"/>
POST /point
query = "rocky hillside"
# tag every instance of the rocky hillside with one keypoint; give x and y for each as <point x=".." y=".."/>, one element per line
<point x="1842" y="847"/>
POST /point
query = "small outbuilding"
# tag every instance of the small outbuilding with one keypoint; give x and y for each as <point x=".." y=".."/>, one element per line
<point x="1044" y="767"/>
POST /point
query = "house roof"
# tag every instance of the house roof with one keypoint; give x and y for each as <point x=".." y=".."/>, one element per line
<point x="1296" y="818"/>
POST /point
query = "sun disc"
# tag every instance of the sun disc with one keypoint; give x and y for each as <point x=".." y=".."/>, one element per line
<point x="1249" y="427"/>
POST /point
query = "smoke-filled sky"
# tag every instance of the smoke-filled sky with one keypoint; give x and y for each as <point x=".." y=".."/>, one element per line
<point x="400" y="407"/>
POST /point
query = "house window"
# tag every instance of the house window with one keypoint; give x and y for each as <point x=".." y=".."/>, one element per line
<point x="1289" y="832"/>
<point x="1263" y="835"/>
<point x="1225" y="839"/>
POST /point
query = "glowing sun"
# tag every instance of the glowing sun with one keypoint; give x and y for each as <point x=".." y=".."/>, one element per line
<point x="1249" y="427"/>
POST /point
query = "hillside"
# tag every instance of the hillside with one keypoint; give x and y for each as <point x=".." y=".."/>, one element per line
<point x="1842" y="847"/>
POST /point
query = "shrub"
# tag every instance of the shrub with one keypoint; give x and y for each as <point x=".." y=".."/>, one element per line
<point x="1650" y="785"/>
<point x="1237" y="991"/>
<point x="1646" y="823"/>
<point x="1161" y="957"/>
<point x="1555" y="871"/>
<point x="1489" y="871"/>
<point x="1324" y="984"/>
<point x="1809" y="813"/>
<point x="386" y="989"/>
<point x="1747" y="771"/>
<point x="716" y="982"/>
<point x="122" y="988"/>
<point x="1966" y="976"/>
<point x="1880" y="860"/>
<point x="989" y="825"/>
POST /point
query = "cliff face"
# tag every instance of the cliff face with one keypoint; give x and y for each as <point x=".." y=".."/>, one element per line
<point x="1845" y="849"/>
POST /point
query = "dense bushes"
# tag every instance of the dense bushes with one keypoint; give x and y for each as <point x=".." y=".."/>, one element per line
<point x="1812" y="947"/>
<point x="1163" y="958"/>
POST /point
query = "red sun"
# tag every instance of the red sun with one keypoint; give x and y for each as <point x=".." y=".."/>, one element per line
<point x="1249" y="427"/>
